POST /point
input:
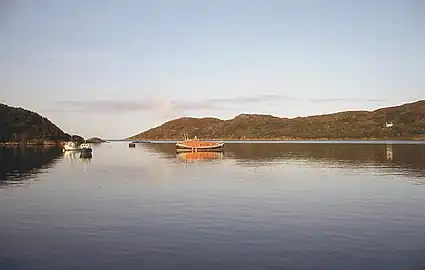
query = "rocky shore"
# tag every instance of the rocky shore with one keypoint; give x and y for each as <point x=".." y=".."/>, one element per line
<point x="32" y="143"/>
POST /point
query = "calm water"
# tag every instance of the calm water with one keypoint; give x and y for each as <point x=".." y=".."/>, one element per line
<point x="256" y="206"/>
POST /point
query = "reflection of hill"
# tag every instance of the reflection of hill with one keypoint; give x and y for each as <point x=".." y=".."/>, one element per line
<point x="20" y="163"/>
<point x="404" y="158"/>
<point x="410" y="157"/>
<point x="338" y="151"/>
<point x="167" y="150"/>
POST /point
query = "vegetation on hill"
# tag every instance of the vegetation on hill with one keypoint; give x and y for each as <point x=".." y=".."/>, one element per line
<point x="17" y="124"/>
<point x="78" y="139"/>
<point x="408" y="123"/>
<point x="95" y="140"/>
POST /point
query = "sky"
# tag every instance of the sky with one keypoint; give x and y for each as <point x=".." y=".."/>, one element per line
<point x="116" y="68"/>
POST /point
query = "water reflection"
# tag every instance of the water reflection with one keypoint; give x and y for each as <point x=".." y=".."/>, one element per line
<point x="163" y="150"/>
<point x="84" y="157"/>
<point x="406" y="158"/>
<point x="21" y="163"/>
<point x="257" y="206"/>
<point x="199" y="156"/>
<point x="389" y="152"/>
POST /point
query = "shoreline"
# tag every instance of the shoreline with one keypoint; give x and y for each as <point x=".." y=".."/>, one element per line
<point x="287" y="139"/>
<point x="22" y="143"/>
<point x="60" y="143"/>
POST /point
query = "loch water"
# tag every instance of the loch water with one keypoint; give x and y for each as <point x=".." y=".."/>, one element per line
<point x="297" y="205"/>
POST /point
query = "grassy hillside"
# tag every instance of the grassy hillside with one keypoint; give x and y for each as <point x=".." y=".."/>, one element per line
<point x="408" y="123"/>
<point x="17" y="124"/>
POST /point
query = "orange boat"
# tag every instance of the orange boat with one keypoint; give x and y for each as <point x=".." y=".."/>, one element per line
<point x="195" y="145"/>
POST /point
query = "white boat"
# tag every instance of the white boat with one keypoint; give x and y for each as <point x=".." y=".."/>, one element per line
<point x="73" y="146"/>
<point x="85" y="147"/>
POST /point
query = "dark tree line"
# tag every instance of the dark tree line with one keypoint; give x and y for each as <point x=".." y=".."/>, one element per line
<point x="17" y="124"/>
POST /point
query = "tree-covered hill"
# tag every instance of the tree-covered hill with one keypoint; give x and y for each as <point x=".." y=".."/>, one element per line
<point x="18" y="124"/>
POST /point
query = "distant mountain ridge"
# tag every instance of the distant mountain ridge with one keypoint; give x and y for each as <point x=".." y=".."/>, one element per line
<point x="18" y="124"/>
<point x="408" y="122"/>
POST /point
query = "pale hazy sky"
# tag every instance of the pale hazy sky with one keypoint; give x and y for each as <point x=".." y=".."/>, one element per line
<point x="115" y="68"/>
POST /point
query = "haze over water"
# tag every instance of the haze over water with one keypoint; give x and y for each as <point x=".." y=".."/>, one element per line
<point x="255" y="206"/>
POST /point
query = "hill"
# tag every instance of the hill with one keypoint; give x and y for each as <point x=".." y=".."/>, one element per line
<point x="95" y="140"/>
<point x="408" y="123"/>
<point x="20" y="125"/>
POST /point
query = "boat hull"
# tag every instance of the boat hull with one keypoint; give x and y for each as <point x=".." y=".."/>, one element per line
<point x="79" y="150"/>
<point x="69" y="149"/>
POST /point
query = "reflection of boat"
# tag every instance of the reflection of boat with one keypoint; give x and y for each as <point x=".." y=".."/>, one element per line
<point x="86" y="155"/>
<point x="77" y="155"/>
<point x="82" y="156"/>
<point x="70" y="154"/>
<point x="73" y="146"/>
<point x="189" y="156"/>
<point x="389" y="152"/>
<point x="195" y="145"/>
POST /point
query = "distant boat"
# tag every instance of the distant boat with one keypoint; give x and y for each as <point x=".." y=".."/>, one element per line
<point x="73" y="146"/>
<point x="195" y="145"/>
